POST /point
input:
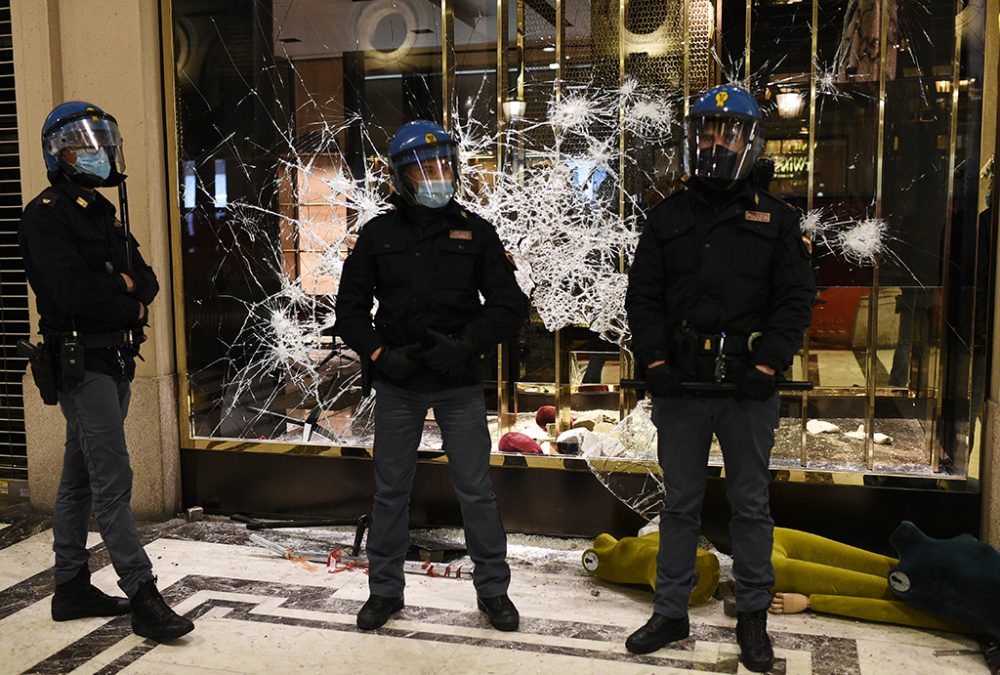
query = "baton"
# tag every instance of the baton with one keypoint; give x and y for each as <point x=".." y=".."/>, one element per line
<point x="123" y="215"/>
<point x="782" y="385"/>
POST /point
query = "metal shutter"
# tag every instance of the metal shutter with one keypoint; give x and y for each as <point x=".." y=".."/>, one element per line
<point x="13" y="284"/>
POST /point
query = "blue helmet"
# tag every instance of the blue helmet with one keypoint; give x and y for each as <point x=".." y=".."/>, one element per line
<point x="729" y="101"/>
<point x="725" y="135"/>
<point x="435" y="154"/>
<point x="91" y="137"/>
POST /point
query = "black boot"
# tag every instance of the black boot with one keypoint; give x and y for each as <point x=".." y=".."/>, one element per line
<point x="501" y="612"/>
<point x="377" y="610"/>
<point x="152" y="617"/>
<point x="756" y="652"/>
<point x="78" y="598"/>
<point x="658" y="632"/>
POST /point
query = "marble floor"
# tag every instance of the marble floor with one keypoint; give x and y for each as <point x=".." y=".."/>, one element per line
<point x="256" y="612"/>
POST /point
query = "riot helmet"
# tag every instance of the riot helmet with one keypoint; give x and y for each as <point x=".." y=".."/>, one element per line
<point x="725" y="136"/>
<point x="423" y="158"/>
<point x="82" y="141"/>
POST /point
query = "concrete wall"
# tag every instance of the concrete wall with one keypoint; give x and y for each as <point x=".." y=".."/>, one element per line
<point x="106" y="52"/>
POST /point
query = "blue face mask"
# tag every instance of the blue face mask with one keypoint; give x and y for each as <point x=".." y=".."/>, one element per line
<point x="435" y="194"/>
<point x="96" y="164"/>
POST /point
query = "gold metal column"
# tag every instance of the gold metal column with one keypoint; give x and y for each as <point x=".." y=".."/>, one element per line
<point x="447" y="62"/>
<point x="168" y="68"/>
<point x="810" y="204"/>
<point x="563" y="384"/>
<point x="505" y="387"/>
<point x="626" y="364"/>
<point x="686" y="32"/>
<point x="939" y="360"/>
<point x="560" y="45"/>
<point x="869" y="456"/>
<point x="746" y="47"/>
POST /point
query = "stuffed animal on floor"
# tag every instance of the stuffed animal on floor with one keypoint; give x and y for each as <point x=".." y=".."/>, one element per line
<point x="813" y="572"/>
<point x="632" y="560"/>
<point x="958" y="578"/>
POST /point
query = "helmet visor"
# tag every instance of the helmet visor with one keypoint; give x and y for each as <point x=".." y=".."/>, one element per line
<point x="428" y="176"/>
<point x="88" y="135"/>
<point x="722" y="149"/>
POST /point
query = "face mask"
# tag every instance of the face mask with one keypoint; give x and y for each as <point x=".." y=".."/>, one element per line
<point x="435" y="194"/>
<point x="96" y="164"/>
<point x="717" y="162"/>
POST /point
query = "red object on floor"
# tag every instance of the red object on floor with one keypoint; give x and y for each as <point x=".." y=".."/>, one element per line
<point x="514" y="441"/>
<point x="545" y="415"/>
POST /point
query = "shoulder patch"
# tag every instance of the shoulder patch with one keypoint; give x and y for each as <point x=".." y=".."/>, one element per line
<point x="510" y="259"/>
<point x="48" y="199"/>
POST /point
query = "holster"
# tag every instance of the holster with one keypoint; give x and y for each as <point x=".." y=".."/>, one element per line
<point x="43" y="370"/>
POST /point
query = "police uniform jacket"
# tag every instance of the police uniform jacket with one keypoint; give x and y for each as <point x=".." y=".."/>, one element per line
<point x="74" y="251"/>
<point x="714" y="261"/>
<point x="427" y="269"/>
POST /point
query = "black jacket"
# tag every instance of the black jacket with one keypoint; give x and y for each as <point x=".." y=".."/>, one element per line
<point x="427" y="270"/>
<point x="74" y="252"/>
<point x="732" y="262"/>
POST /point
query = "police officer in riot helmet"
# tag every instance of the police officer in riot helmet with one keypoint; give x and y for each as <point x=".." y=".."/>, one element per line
<point x="427" y="262"/>
<point x="720" y="291"/>
<point x="93" y="290"/>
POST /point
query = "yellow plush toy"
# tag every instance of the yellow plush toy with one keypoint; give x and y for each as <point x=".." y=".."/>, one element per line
<point x="811" y="572"/>
<point x="632" y="560"/>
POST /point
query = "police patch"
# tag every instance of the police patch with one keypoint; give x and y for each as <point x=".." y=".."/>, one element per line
<point x="758" y="216"/>
<point x="460" y="234"/>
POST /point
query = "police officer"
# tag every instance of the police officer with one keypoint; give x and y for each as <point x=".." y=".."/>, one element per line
<point x="93" y="290"/>
<point x="721" y="290"/>
<point x="427" y="262"/>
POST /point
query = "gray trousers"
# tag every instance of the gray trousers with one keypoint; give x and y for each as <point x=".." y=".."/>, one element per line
<point x="745" y="430"/>
<point x="399" y="423"/>
<point x="97" y="479"/>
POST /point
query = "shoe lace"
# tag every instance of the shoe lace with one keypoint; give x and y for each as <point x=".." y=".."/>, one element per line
<point x="160" y="609"/>
<point x="753" y="627"/>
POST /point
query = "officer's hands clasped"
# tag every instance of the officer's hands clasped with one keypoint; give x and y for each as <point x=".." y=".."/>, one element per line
<point x="662" y="380"/>
<point x="398" y="363"/>
<point x="447" y="354"/>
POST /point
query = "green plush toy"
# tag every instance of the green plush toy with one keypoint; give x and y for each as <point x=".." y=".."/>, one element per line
<point x="812" y="572"/>
<point x="632" y="560"/>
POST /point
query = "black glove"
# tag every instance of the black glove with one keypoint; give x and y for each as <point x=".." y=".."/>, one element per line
<point x="398" y="362"/>
<point x="662" y="380"/>
<point x="448" y="355"/>
<point x="755" y="384"/>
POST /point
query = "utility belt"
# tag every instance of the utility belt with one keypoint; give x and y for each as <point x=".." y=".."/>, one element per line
<point x="60" y="359"/>
<point x="119" y="338"/>
<point x="703" y="356"/>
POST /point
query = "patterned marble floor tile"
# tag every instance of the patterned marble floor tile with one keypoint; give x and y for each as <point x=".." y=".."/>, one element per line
<point x="256" y="612"/>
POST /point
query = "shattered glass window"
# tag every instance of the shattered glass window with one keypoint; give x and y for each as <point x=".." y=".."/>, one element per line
<point x="568" y="135"/>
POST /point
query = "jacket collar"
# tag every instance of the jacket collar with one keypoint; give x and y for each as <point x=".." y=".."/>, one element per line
<point x="430" y="221"/>
<point x="744" y="193"/>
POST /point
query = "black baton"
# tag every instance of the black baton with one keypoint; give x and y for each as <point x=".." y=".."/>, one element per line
<point x="782" y="385"/>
